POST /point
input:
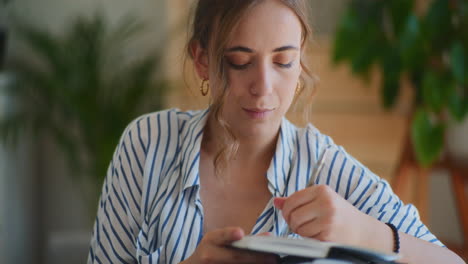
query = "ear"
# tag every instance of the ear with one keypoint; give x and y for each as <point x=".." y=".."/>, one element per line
<point x="200" y="60"/>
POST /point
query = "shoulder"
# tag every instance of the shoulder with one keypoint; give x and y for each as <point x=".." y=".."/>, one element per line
<point x="151" y="124"/>
<point x="171" y="116"/>
<point x="146" y="129"/>
<point x="340" y="170"/>
<point x="312" y="140"/>
<point x="308" y="137"/>
<point x="312" y="134"/>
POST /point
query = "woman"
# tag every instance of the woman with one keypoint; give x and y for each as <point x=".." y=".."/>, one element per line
<point x="184" y="185"/>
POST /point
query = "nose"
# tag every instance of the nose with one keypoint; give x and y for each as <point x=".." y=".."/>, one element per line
<point x="263" y="82"/>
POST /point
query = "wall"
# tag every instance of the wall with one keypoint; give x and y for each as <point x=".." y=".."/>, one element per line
<point x="17" y="222"/>
<point x="18" y="190"/>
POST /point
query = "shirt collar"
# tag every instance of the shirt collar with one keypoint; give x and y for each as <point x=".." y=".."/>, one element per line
<point x="277" y="173"/>
<point x="279" y="170"/>
<point x="191" y="136"/>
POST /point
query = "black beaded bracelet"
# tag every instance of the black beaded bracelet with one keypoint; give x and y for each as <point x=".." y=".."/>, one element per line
<point x="396" y="238"/>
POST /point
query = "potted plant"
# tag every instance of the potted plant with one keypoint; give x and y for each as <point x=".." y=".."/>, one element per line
<point x="81" y="89"/>
<point x="429" y="48"/>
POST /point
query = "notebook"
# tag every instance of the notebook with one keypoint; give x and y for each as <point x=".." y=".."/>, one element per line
<point x="306" y="250"/>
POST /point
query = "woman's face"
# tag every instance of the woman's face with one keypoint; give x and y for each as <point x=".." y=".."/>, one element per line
<point x="263" y="66"/>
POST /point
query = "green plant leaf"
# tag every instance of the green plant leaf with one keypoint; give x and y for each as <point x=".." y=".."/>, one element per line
<point x="360" y="38"/>
<point x="427" y="137"/>
<point x="435" y="90"/>
<point x="44" y="47"/>
<point x="399" y="11"/>
<point x="346" y="39"/>
<point x="462" y="24"/>
<point x="391" y="78"/>
<point x="369" y="51"/>
<point x="437" y="24"/>
<point x="458" y="62"/>
<point x="458" y="102"/>
<point x="123" y="33"/>
<point x="411" y="45"/>
<point x="391" y="87"/>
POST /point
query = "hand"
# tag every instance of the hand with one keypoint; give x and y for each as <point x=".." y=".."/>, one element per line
<point x="213" y="249"/>
<point x="319" y="212"/>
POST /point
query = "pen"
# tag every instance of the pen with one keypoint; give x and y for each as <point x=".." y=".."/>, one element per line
<point x="319" y="167"/>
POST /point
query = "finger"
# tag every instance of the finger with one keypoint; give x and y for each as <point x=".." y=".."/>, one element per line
<point x="313" y="229"/>
<point x="296" y="200"/>
<point x="278" y="202"/>
<point x="307" y="195"/>
<point x="303" y="214"/>
<point x="225" y="236"/>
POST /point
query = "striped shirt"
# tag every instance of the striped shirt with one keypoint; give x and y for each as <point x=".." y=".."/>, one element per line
<point x="150" y="209"/>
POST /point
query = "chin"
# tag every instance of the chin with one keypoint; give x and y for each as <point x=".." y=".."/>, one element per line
<point x="258" y="129"/>
<point x="247" y="124"/>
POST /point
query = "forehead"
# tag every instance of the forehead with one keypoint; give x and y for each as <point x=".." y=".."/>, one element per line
<point x="268" y="25"/>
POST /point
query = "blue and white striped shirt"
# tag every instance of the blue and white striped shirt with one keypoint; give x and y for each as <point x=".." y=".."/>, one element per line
<point x="150" y="209"/>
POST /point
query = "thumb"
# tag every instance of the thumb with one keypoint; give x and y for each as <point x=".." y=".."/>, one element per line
<point x="226" y="235"/>
<point x="279" y="202"/>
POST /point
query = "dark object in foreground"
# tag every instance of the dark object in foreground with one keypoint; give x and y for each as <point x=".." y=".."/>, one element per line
<point x="3" y="40"/>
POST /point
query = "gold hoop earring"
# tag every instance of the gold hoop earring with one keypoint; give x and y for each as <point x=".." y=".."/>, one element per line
<point x="204" y="91"/>
<point x="298" y="87"/>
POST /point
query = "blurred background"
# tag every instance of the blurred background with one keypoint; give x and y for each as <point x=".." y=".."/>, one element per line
<point x="392" y="89"/>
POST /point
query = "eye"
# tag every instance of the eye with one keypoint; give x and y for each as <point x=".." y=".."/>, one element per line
<point x="238" y="66"/>
<point x="286" y="66"/>
<point x="285" y="60"/>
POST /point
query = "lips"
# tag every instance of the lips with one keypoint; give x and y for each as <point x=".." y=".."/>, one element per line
<point x="259" y="110"/>
<point x="258" y="113"/>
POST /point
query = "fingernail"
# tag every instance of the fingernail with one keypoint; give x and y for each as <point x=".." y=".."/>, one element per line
<point x="238" y="233"/>
<point x="278" y="202"/>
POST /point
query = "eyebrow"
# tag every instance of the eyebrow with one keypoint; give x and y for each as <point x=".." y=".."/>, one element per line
<point x="284" y="48"/>
<point x="248" y="50"/>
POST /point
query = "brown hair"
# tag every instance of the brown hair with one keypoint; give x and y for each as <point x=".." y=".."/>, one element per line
<point x="212" y="26"/>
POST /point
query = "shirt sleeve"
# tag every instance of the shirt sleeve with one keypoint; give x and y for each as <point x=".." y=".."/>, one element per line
<point x="368" y="192"/>
<point x="374" y="196"/>
<point x="118" y="219"/>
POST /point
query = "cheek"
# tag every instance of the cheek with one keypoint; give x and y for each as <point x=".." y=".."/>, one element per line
<point x="288" y="86"/>
<point x="286" y="95"/>
<point x="238" y="82"/>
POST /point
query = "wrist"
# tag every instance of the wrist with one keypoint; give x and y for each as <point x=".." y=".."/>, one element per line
<point x="378" y="236"/>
